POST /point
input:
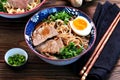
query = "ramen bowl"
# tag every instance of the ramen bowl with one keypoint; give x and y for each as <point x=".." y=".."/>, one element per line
<point x="42" y="15"/>
<point x="17" y="13"/>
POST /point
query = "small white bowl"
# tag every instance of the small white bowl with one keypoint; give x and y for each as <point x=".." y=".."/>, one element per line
<point x="14" y="51"/>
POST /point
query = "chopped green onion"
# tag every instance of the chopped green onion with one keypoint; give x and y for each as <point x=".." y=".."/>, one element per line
<point x="2" y="2"/>
<point x="60" y="15"/>
<point x="70" y="51"/>
<point x="16" y="60"/>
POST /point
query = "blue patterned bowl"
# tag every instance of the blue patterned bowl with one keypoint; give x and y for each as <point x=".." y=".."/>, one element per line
<point x="41" y="15"/>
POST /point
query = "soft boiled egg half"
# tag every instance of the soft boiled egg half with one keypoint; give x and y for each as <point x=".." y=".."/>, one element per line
<point x="81" y="26"/>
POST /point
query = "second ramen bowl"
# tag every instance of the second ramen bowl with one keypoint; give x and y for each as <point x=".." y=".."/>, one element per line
<point x="12" y="12"/>
<point x="42" y="15"/>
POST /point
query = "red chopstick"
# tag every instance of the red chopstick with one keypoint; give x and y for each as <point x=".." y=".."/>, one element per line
<point x="84" y="72"/>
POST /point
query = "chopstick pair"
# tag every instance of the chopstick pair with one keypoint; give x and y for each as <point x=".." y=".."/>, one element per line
<point x="86" y="69"/>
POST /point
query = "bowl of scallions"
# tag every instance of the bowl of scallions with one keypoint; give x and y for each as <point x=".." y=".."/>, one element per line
<point x="16" y="57"/>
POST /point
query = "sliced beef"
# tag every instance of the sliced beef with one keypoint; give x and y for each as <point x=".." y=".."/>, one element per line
<point x="43" y="33"/>
<point x="18" y="3"/>
<point x="52" y="46"/>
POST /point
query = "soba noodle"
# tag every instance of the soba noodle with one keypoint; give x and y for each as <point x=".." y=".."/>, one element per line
<point x="66" y="34"/>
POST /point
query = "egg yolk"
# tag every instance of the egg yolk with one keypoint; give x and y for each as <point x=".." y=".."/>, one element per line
<point x="79" y="24"/>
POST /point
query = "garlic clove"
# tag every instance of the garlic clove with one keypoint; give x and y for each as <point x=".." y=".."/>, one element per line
<point x="76" y="3"/>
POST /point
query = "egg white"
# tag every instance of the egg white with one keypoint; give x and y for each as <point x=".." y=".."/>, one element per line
<point x="84" y="32"/>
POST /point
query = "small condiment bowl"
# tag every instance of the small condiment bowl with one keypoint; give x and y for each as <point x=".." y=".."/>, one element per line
<point x="14" y="51"/>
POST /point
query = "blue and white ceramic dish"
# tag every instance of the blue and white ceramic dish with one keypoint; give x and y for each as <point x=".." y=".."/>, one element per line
<point x="41" y="15"/>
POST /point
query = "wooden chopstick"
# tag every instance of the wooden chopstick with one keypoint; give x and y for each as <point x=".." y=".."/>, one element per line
<point x="104" y="37"/>
<point x="84" y="72"/>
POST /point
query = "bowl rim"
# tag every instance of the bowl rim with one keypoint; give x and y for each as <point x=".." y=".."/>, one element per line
<point x="40" y="55"/>
<point x="26" y="12"/>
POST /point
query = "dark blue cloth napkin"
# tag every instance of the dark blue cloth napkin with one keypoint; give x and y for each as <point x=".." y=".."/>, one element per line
<point x="103" y="17"/>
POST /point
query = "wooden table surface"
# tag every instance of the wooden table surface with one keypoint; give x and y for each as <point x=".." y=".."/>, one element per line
<point x="12" y="35"/>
